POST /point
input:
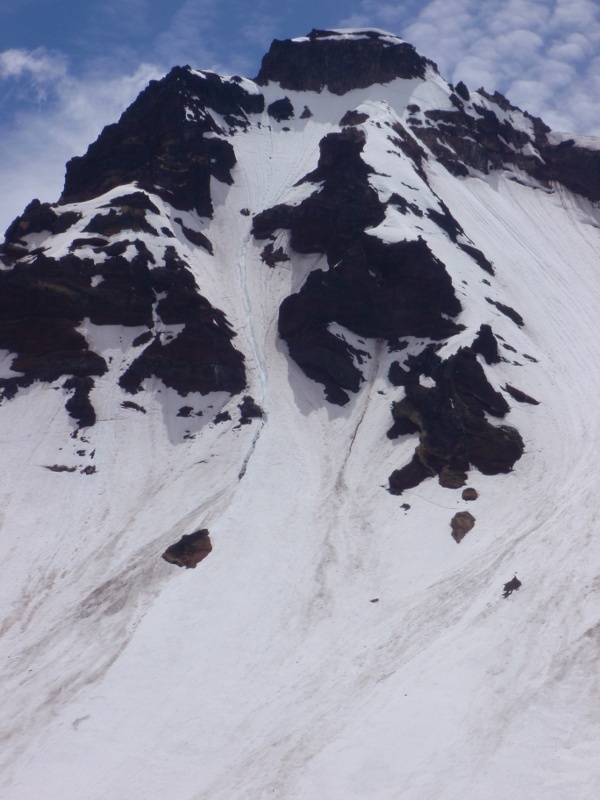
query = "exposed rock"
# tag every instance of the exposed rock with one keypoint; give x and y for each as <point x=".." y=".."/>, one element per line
<point x="462" y="91"/>
<point x="157" y="146"/>
<point x="454" y="432"/>
<point x="272" y="257"/>
<point x="134" y="406"/>
<point x="249" y="410"/>
<point x="469" y="494"/>
<point x="195" y="237"/>
<point x="306" y="113"/>
<point x="79" y="405"/>
<point x="116" y="221"/>
<point x="512" y="586"/>
<point x="486" y="345"/>
<point x="324" y="59"/>
<point x="520" y="396"/>
<point x="353" y="117"/>
<point x="36" y="218"/>
<point x="190" y="550"/>
<point x="372" y="288"/>
<point x="462" y="522"/>
<point x="281" y="109"/>
<point x="43" y="302"/>
<point x="61" y="468"/>
<point x="508" y="312"/>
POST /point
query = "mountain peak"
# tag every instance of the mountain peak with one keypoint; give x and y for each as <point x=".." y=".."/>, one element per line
<point x="340" y="60"/>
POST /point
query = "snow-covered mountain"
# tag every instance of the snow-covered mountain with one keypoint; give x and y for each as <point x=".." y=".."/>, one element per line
<point x="330" y="335"/>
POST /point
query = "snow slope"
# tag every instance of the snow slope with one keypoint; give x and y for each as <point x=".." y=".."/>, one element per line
<point x="335" y="644"/>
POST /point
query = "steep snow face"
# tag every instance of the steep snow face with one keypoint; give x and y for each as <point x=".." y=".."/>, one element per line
<point x="303" y="320"/>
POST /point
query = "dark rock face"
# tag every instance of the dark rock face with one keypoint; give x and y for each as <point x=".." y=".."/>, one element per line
<point x="520" y="396"/>
<point x="249" y="410"/>
<point x="454" y="433"/>
<point x="373" y="289"/>
<point x="325" y="59"/>
<point x="508" y="312"/>
<point x="36" y="218"/>
<point x="157" y="145"/>
<point x="353" y="117"/>
<point x="486" y="345"/>
<point x="512" y="586"/>
<point x="190" y="550"/>
<point x="79" y="405"/>
<point x="575" y="167"/>
<point x="281" y="109"/>
<point x="44" y="300"/>
<point x="485" y="142"/>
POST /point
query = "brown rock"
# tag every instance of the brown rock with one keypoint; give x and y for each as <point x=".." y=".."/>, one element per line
<point x="190" y="550"/>
<point x="469" y="493"/>
<point x="462" y="522"/>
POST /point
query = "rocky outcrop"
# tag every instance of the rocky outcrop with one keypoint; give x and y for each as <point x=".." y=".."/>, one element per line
<point x="372" y="288"/>
<point x="327" y="60"/>
<point x="450" y="417"/>
<point x="44" y="300"/>
<point x="160" y="142"/>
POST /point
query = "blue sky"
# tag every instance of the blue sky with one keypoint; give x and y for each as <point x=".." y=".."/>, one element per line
<point x="69" y="67"/>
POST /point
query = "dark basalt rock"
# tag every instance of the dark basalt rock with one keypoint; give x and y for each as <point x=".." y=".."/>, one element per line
<point x="195" y="237"/>
<point x="371" y="288"/>
<point x="134" y="406"/>
<point x="486" y="345"/>
<point x="281" y="109"/>
<point x="483" y="141"/>
<point x="328" y="221"/>
<point x="574" y="166"/>
<point x="454" y="432"/>
<point x="43" y="302"/>
<point x="326" y="60"/>
<point x="306" y="113"/>
<point x="412" y="149"/>
<point x="138" y="201"/>
<point x="199" y="359"/>
<point x="353" y="117"/>
<point x="156" y="146"/>
<point x="462" y="91"/>
<point x="116" y="221"/>
<point x="478" y="257"/>
<point x="272" y="257"/>
<point x="520" y="396"/>
<point x="39" y="217"/>
<point x="190" y="550"/>
<point x="513" y="585"/>
<point x="249" y="410"/>
<point x="508" y="312"/>
<point x="79" y="405"/>
<point x="89" y="241"/>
